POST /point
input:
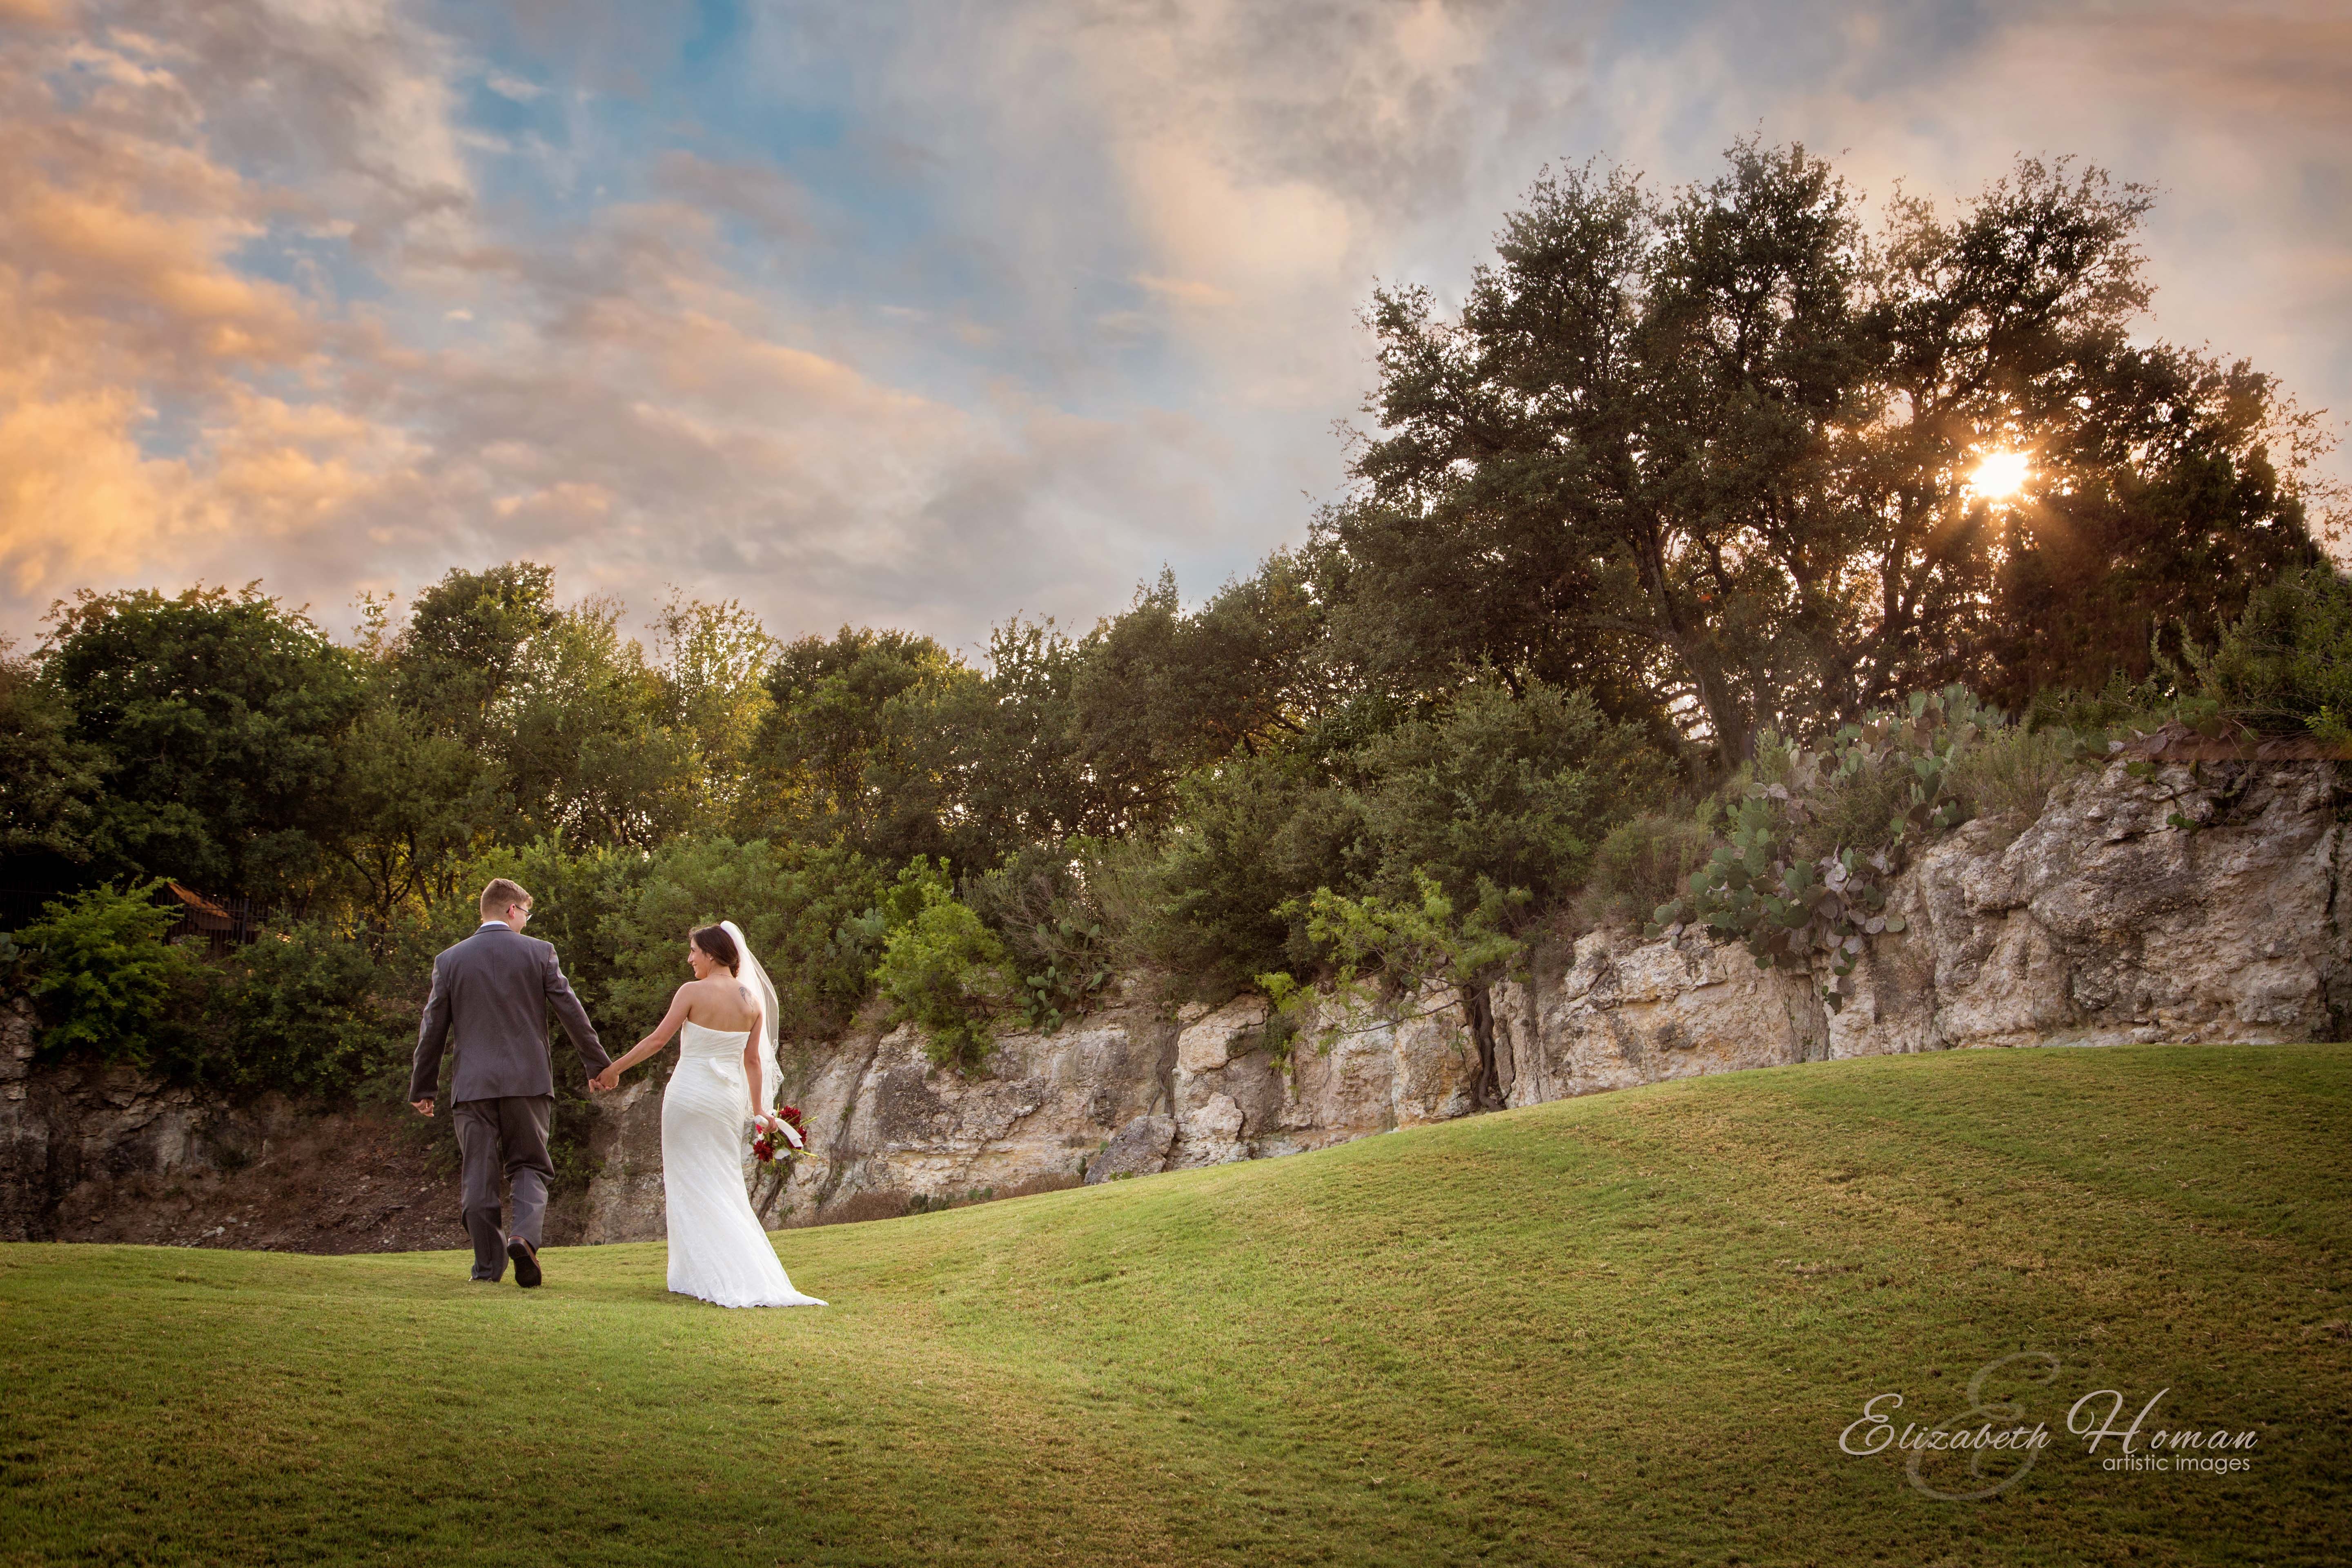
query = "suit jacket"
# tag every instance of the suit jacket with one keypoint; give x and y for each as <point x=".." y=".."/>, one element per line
<point x="490" y="996"/>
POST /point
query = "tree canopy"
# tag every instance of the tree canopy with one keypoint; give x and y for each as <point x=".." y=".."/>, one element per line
<point x="1687" y="495"/>
<point x="1708" y="453"/>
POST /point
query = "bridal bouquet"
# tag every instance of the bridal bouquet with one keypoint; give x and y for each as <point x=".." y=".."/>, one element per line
<point x="784" y="1138"/>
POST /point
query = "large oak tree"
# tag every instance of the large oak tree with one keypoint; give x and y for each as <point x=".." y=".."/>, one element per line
<point x="1708" y="453"/>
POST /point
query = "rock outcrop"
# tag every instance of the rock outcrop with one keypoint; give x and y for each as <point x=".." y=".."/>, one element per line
<point x="98" y="1153"/>
<point x="2180" y="901"/>
<point x="2148" y="901"/>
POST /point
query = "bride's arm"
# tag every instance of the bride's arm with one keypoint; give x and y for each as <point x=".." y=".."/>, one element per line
<point x="752" y="1058"/>
<point x="651" y="1043"/>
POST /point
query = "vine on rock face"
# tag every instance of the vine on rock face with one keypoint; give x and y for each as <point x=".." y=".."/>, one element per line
<point x="1794" y="910"/>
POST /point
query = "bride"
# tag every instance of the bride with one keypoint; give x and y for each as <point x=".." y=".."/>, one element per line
<point x="725" y="1073"/>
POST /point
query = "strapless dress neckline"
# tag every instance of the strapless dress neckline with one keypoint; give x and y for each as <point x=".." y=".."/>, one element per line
<point x="702" y="1040"/>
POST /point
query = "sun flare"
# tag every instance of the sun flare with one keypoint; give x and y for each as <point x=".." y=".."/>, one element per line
<point x="1999" y="476"/>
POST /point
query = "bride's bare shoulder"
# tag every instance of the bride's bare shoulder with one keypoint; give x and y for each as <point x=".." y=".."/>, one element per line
<point x="718" y="1002"/>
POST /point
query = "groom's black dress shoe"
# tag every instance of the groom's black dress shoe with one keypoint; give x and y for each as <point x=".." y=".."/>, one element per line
<point x="526" y="1261"/>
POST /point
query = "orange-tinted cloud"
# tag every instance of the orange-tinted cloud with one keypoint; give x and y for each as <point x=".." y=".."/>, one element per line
<point x="321" y="294"/>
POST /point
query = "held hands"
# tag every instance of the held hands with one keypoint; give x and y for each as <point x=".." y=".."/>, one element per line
<point x="609" y="1078"/>
<point x="421" y="1107"/>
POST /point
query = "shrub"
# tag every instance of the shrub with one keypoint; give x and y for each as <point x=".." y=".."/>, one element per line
<point x="803" y="909"/>
<point x="1643" y="862"/>
<point x="1386" y="950"/>
<point x="2091" y="720"/>
<point x="1512" y="789"/>
<point x="306" y="1013"/>
<point x="1408" y="942"/>
<point x="1884" y="778"/>
<point x="1803" y="877"/>
<point x="1252" y="838"/>
<point x="2010" y="770"/>
<point x="1040" y="901"/>
<point x="103" y="974"/>
<point x="2286" y="665"/>
<point x="572" y="894"/>
<point x="945" y="971"/>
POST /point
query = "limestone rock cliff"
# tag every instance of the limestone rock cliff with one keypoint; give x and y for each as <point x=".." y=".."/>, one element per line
<point x="98" y="1152"/>
<point x="2198" y="902"/>
<point x="2180" y="901"/>
<point x="2148" y="900"/>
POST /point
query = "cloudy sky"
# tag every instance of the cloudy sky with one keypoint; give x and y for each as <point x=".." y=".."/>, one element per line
<point x="926" y="313"/>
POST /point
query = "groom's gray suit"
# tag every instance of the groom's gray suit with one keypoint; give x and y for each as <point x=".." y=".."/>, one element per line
<point x="490" y="994"/>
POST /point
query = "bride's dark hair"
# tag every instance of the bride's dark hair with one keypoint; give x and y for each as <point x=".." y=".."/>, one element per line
<point x="714" y="941"/>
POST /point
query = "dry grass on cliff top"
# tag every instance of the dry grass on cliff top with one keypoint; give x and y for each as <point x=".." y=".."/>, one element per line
<point x="1621" y="1330"/>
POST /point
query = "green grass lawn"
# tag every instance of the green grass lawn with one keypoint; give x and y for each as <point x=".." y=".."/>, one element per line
<point x="1627" y="1329"/>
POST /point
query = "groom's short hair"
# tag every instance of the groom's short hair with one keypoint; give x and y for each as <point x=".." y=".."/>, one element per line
<point x="501" y="896"/>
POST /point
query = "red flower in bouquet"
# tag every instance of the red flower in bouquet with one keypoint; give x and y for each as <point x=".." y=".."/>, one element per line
<point x="783" y="1138"/>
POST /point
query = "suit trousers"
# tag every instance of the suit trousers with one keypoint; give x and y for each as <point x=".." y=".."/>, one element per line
<point x="509" y="1137"/>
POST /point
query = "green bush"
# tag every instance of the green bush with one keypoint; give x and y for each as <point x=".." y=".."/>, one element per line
<point x="945" y="970"/>
<point x="573" y="891"/>
<point x="307" y="1009"/>
<point x="103" y="975"/>
<point x="1408" y="943"/>
<point x="1252" y="839"/>
<point x="306" y="1013"/>
<point x="802" y="910"/>
<point x="2010" y="770"/>
<point x="1511" y="789"/>
<point x="1041" y="902"/>
<point x="2090" y="722"/>
<point x="1643" y="862"/>
<point x="1803" y="876"/>
<point x="2285" y="666"/>
<point x="1884" y="778"/>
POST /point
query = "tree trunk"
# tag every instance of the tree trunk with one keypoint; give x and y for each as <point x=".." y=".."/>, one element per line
<point x="1478" y="1006"/>
<point x="1734" y="738"/>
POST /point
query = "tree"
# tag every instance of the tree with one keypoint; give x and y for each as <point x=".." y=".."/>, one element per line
<point x="1492" y="806"/>
<point x="856" y="744"/>
<point x="2120" y="560"/>
<point x="1019" y="778"/>
<point x="583" y="733"/>
<point x="586" y="750"/>
<point x="468" y="643"/>
<point x="1709" y="454"/>
<point x="1159" y="692"/>
<point x="47" y="777"/>
<point x="216" y="718"/>
<point x="712" y="661"/>
<point x="1248" y="843"/>
<point x="420" y="803"/>
<point x="1504" y="793"/>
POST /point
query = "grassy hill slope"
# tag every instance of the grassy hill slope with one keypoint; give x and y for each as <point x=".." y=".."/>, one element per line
<point x="1621" y="1330"/>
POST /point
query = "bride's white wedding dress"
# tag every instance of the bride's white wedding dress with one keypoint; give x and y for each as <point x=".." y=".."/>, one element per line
<point x="717" y="1249"/>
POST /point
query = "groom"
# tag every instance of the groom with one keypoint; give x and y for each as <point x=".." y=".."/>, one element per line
<point x="492" y="992"/>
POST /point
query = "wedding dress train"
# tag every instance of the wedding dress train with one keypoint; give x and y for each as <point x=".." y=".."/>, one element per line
<point x="717" y="1249"/>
